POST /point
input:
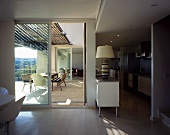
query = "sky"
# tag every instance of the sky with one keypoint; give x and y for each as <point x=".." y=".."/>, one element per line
<point x="22" y="52"/>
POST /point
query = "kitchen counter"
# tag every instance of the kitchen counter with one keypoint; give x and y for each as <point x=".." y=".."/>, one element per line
<point x="147" y="76"/>
<point x="144" y="75"/>
<point x="99" y="79"/>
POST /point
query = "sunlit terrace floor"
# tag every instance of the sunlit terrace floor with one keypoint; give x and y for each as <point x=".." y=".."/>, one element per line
<point x="133" y="119"/>
<point x="71" y="95"/>
<point x="38" y="95"/>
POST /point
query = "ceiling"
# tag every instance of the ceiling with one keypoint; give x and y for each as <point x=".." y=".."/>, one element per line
<point x="130" y="19"/>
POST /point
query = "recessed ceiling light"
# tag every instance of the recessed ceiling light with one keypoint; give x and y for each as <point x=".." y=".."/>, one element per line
<point x="130" y="25"/>
<point x="118" y="35"/>
<point x="153" y="5"/>
<point x="111" y="41"/>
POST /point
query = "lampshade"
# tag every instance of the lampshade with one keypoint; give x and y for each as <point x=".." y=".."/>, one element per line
<point x="105" y="52"/>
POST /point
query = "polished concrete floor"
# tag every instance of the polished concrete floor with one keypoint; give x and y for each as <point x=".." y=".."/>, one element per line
<point x="133" y="119"/>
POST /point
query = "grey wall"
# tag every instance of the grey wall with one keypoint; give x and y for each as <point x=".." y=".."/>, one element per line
<point x="7" y="55"/>
<point x="77" y="61"/>
<point x="160" y="66"/>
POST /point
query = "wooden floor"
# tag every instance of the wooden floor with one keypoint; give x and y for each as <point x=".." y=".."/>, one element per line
<point x="133" y="119"/>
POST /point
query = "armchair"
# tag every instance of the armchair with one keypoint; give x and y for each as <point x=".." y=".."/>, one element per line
<point x="38" y="80"/>
<point x="10" y="113"/>
<point x="3" y="91"/>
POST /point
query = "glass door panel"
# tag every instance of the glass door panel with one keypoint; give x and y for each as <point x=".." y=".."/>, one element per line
<point x="64" y="62"/>
<point x="31" y="62"/>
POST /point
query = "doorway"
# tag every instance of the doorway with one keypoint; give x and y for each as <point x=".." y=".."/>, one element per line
<point x="68" y="58"/>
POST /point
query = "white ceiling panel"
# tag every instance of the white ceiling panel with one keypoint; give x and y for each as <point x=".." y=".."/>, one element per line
<point x="131" y="19"/>
<point x="57" y="8"/>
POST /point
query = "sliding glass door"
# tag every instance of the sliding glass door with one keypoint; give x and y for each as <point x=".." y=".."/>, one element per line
<point x="64" y="62"/>
<point x="31" y="62"/>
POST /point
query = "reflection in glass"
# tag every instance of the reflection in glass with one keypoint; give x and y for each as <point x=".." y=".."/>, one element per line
<point x="63" y="62"/>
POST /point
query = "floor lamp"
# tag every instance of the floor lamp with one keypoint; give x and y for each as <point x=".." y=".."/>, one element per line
<point x="105" y="52"/>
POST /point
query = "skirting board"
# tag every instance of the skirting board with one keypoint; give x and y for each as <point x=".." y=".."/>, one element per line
<point x="154" y="119"/>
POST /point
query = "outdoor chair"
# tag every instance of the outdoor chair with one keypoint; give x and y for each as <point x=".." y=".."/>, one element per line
<point x="26" y="78"/>
<point x="59" y="81"/>
<point x="53" y="76"/>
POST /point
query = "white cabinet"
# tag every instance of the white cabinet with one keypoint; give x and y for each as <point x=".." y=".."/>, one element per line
<point x="144" y="85"/>
<point x="107" y="94"/>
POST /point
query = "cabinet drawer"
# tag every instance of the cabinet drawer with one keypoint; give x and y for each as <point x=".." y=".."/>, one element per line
<point x="130" y="76"/>
<point x="130" y="83"/>
<point x="144" y="85"/>
<point x="146" y="91"/>
<point x="141" y="79"/>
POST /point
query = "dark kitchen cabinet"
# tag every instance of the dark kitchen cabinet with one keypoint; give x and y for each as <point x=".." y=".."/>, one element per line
<point x="146" y="48"/>
<point x="132" y="82"/>
<point x="131" y="64"/>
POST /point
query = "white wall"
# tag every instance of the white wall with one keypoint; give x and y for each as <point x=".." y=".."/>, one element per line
<point x="90" y="63"/>
<point x="7" y="60"/>
<point x="77" y="61"/>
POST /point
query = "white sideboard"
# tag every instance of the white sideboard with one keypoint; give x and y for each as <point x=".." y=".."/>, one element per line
<point x="107" y="94"/>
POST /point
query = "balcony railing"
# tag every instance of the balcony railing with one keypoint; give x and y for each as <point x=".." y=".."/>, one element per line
<point x="19" y="72"/>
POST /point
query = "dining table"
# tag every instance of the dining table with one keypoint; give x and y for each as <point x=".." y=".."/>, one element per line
<point x="6" y="98"/>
